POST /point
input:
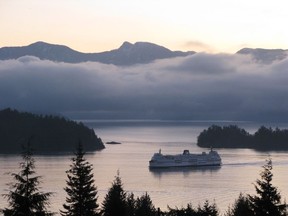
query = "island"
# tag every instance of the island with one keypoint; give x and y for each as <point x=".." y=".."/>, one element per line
<point x="113" y="143"/>
<point x="47" y="134"/>
<point x="264" y="139"/>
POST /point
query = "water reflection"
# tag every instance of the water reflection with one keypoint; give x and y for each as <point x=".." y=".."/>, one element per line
<point x="159" y="172"/>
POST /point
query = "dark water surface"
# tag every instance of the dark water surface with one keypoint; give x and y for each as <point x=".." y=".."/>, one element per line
<point x="173" y="187"/>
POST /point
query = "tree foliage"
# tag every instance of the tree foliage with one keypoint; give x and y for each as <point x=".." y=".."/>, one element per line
<point x="188" y="211"/>
<point x="241" y="206"/>
<point x="130" y="204"/>
<point x="226" y="136"/>
<point x="206" y="210"/>
<point x="268" y="199"/>
<point x="234" y="137"/>
<point x="144" y="206"/>
<point x="50" y="133"/>
<point x="114" y="203"/>
<point x="25" y="198"/>
<point x="81" y="191"/>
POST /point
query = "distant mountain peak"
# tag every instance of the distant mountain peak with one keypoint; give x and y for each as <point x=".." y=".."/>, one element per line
<point x="40" y="43"/>
<point x="48" y="46"/>
<point x="126" y="45"/>
<point x="141" y="46"/>
<point x="264" y="55"/>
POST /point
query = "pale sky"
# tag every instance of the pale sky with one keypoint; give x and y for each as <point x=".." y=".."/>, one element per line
<point x="100" y="25"/>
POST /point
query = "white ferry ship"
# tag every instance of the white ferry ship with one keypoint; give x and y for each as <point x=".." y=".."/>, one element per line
<point x="185" y="160"/>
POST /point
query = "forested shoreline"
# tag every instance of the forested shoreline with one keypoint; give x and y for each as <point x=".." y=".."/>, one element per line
<point x="264" y="139"/>
<point x="24" y="196"/>
<point x="49" y="134"/>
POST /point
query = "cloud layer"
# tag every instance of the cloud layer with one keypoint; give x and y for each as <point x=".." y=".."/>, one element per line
<point x="198" y="87"/>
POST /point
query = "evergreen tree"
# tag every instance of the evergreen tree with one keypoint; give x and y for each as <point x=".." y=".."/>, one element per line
<point x="241" y="207"/>
<point x="81" y="191"/>
<point x="114" y="203"/>
<point x="130" y="204"/>
<point x="144" y="206"/>
<point x="268" y="200"/>
<point x="25" y="198"/>
<point x="208" y="210"/>
<point x="188" y="211"/>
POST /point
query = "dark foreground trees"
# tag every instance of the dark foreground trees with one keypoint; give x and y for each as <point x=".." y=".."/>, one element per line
<point x="114" y="203"/>
<point x="266" y="202"/>
<point x="24" y="197"/>
<point x="81" y="192"/>
<point x="268" y="199"/>
<point x="144" y="206"/>
<point x="206" y="210"/>
<point x="241" y="206"/>
<point x="118" y="203"/>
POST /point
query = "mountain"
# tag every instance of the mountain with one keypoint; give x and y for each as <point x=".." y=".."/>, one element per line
<point x="43" y="51"/>
<point x="265" y="55"/>
<point x="126" y="54"/>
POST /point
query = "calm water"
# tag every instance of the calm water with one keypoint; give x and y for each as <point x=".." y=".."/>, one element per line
<point x="173" y="187"/>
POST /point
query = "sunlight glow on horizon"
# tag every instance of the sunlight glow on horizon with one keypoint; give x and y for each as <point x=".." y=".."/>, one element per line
<point x="95" y="26"/>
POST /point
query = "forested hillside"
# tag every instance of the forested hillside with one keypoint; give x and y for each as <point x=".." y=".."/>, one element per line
<point x="47" y="134"/>
<point x="264" y="139"/>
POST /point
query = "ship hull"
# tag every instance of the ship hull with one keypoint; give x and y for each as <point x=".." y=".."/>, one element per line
<point x="167" y="165"/>
<point x="185" y="160"/>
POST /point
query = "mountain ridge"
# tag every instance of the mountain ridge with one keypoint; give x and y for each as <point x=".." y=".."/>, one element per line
<point x="126" y="54"/>
<point x="264" y="55"/>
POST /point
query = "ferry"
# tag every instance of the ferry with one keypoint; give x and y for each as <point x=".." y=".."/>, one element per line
<point x="186" y="159"/>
